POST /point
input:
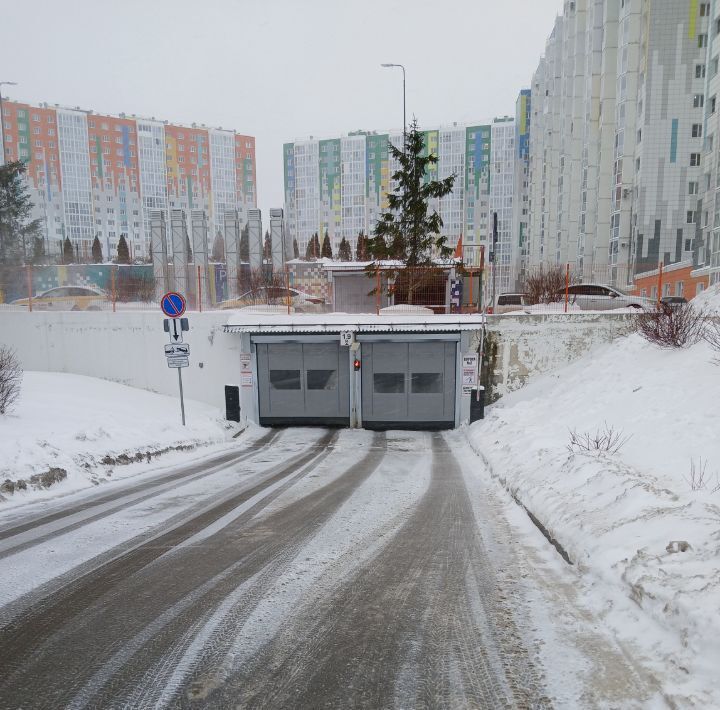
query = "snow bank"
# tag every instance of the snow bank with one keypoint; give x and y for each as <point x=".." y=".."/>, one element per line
<point x="709" y="300"/>
<point x="72" y="422"/>
<point x="621" y="516"/>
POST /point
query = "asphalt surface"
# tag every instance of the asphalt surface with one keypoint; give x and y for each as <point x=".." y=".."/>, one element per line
<point x="411" y="617"/>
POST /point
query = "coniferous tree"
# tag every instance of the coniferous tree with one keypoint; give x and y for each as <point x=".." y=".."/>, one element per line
<point x="245" y="244"/>
<point x="296" y="250"/>
<point x="96" y="251"/>
<point x="408" y="231"/>
<point x="326" y="251"/>
<point x="313" y="248"/>
<point x="123" y="253"/>
<point x="38" y="250"/>
<point x="361" y="250"/>
<point x="68" y="252"/>
<point x="267" y="247"/>
<point x="188" y="249"/>
<point x="17" y="230"/>
<point x="218" y="248"/>
<point x="344" y="251"/>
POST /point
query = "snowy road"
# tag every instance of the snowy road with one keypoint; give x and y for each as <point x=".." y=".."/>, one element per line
<point x="307" y="569"/>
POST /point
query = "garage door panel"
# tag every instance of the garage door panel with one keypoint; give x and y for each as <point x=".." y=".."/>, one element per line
<point x="308" y="382"/>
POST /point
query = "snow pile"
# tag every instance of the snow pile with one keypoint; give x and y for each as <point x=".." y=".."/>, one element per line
<point x="709" y="300"/>
<point x="631" y="521"/>
<point x="88" y="427"/>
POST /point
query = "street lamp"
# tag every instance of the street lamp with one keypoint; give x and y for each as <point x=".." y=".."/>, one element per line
<point x="386" y="66"/>
<point x="2" y="125"/>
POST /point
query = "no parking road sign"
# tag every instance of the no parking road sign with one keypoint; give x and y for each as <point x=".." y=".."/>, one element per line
<point x="172" y="304"/>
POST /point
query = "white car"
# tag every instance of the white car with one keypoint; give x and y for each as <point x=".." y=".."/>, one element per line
<point x="599" y="297"/>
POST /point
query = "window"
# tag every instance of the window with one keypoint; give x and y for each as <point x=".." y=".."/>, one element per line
<point x="690" y="218"/>
<point x="713" y="102"/>
<point x="704" y="9"/>
<point x="322" y="379"/>
<point x="699" y="289"/>
<point x="714" y="66"/>
<point x="702" y="40"/>
<point x="698" y="101"/>
<point x="389" y="382"/>
<point x="697" y="130"/>
<point x="285" y="379"/>
<point x="699" y="71"/>
<point x="694" y="159"/>
<point x="693" y="187"/>
<point x="426" y="382"/>
<point x="710" y="142"/>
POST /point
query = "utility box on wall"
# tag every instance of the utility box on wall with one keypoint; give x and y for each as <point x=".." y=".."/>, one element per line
<point x="232" y="403"/>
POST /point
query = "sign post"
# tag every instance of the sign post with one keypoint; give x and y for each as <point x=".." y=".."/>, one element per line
<point x="177" y="352"/>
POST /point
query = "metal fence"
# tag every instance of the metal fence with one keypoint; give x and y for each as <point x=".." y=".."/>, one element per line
<point x="323" y="286"/>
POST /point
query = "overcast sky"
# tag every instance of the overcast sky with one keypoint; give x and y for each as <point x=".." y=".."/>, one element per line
<point x="276" y="69"/>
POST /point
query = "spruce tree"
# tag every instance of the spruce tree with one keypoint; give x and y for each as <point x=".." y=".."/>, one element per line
<point x="123" y="253"/>
<point x="313" y="248"/>
<point x="326" y="251"/>
<point x="68" y="252"/>
<point x="361" y="251"/>
<point x="407" y="231"/>
<point x="296" y="250"/>
<point x="17" y="230"/>
<point x="218" y="248"/>
<point x="245" y="244"/>
<point x="344" y="251"/>
<point x="267" y="247"/>
<point x="96" y="251"/>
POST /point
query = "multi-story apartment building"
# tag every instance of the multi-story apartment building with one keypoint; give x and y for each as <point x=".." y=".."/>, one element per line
<point x="95" y="175"/>
<point x="616" y="137"/>
<point x="521" y="192"/>
<point x="340" y="185"/>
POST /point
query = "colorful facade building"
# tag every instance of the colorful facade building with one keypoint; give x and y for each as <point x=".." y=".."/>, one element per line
<point x="340" y="185"/>
<point x="96" y="175"/>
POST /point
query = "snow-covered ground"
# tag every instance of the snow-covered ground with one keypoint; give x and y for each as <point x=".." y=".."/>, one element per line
<point x="624" y="517"/>
<point x="72" y="422"/>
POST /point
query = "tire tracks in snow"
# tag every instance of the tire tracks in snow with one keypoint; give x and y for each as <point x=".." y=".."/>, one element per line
<point x="419" y="625"/>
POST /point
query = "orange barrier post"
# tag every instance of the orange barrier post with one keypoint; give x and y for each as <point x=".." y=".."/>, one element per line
<point x="199" y="289"/>
<point x="659" y="288"/>
<point x="377" y="290"/>
<point x="287" y="288"/>
<point x="28" y="275"/>
<point x="567" y="285"/>
<point x="112" y="288"/>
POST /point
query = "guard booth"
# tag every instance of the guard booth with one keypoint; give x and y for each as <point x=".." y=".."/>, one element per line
<point x="378" y="372"/>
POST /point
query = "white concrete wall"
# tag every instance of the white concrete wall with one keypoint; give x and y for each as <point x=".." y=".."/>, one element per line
<point x="126" y="347"/>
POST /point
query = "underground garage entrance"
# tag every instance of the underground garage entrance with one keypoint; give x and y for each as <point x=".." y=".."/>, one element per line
<point x="404" y="372"/>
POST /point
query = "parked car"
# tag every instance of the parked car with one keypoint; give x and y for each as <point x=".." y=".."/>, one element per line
<point x="600" y="297"/>
<point x="68" y="298"/>
<point x="278" y="295"/>
<point x="673" y="301"/>
<point x="507" y="302"/>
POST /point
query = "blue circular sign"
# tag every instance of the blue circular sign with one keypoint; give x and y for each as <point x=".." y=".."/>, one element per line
<point x="172" y="304"/>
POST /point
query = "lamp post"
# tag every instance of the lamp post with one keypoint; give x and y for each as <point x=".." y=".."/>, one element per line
<point x="2" y="125"/>
<point x="403" y="71"/>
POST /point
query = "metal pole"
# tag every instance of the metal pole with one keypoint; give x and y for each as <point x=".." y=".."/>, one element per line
<point x="182" y="400"/>
<point x="567" y="284"/>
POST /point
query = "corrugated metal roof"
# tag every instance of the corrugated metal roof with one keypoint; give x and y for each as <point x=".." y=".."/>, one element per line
<point x="360" y="323"/>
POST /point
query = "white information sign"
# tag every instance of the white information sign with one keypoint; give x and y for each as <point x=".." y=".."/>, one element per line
<point x="347" y="338"/>
<point x="178" y="361"/>
<point x="469" y="371"/>
<point x="467" y="390"/>
<point x="246" y="376"/>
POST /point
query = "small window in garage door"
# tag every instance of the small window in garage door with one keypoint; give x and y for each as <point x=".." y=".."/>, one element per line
<point x="426" y="383"/>
<point x="285" y="379"/>
<point x="389" y="382"/>
<point x="322" y="379"/>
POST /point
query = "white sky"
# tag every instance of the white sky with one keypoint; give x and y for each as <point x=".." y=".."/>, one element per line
<point x="276" y="69"/>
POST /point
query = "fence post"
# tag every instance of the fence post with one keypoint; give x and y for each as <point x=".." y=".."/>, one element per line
<point x="287" y="288"/>
<point x="660" y="275"/>
<point x="28" y="276"/>
<point x="377" y="290"/>
<point x="567" y="284"/>
<point x="113" y="290"/>
<point x="199" y="289"/>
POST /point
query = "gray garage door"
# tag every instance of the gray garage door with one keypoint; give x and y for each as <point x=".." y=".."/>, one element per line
<point x="408" y="385"/>
<point x="303" y="383"/>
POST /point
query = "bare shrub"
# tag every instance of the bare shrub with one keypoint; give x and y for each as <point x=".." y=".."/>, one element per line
<point x="606" y="438"/>
<point x="544" y="284"/>
<point x="712" y="335"/>
<point x="10" y="378"/>
<point x="672" y="326"/>
<point x="699" y="478"/>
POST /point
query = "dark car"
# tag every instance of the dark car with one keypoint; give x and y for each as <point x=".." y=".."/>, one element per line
<point x="673" y="301"/>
